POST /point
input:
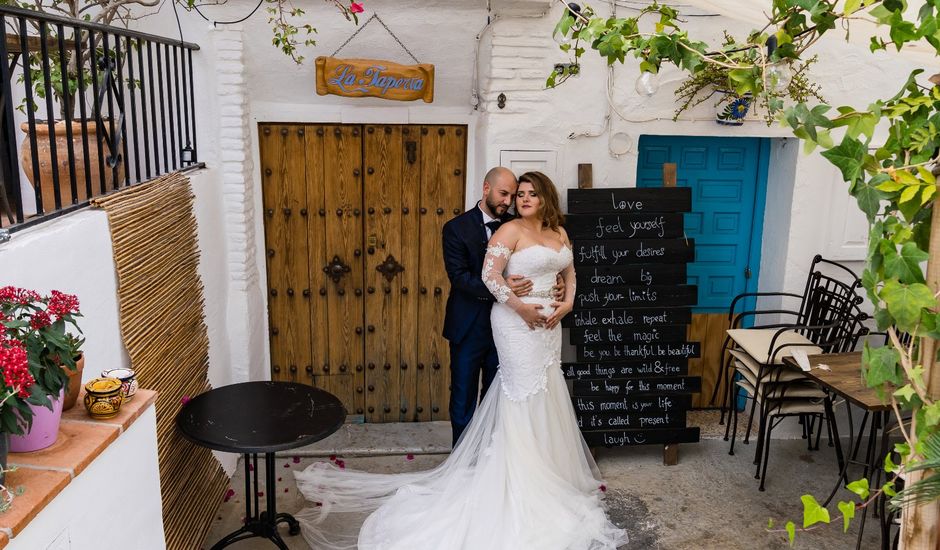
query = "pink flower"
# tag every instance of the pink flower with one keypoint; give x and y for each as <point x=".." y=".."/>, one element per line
<point x="356" y="8"/>
<point x="228" y="495"/>
<point x="603" y="488"/>
<point x="185" y="399"/>
<point x="409" y="456"/>
<point x="332" y="458"/>
<point x="296" y="460"/>
<point x="341" y="464"/>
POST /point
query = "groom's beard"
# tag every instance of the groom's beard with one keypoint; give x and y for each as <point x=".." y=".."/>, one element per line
<point x="497" y="208"/>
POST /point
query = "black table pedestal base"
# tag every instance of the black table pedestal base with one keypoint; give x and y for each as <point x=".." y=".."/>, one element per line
<point x="261" y="524"/>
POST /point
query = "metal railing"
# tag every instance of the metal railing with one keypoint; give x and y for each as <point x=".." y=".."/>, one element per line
<point x="99" y="108"/>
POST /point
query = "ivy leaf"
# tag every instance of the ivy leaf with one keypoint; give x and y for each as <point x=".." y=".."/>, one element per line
<point x="909" y="193"/>
<point x="848" y="512"/>
<point x="860" y="488"/>
<point x="906" y="265"/>
<point x="847" y="157"/>
<point x="791" y="531"/>
<point x="905" y="302"/>
<point x="889" y="490"/>
<point x="880" y="365"/>
<point x="851" y="6"/>
<point x="867" y="194"/>
<point x="905" y="392"/>
<point x="932" y="413"/>
<point x="813" y="513"/>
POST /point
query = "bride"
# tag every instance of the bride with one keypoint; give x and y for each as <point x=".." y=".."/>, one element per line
<point x="520" y="477"/>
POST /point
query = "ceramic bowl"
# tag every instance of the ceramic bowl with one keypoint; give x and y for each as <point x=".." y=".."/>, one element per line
<point x="103" y="397"/>
<point x="128" y="380"/>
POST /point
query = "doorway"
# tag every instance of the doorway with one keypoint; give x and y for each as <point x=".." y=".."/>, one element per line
<point x="356" y="281"/>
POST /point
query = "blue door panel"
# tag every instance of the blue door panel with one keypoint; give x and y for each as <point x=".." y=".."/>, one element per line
<point x="727" y="177"/>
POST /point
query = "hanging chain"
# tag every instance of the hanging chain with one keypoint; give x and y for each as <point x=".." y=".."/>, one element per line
<point x="379" y="19"/>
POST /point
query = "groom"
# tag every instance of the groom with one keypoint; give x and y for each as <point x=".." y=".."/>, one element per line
<point x="467" y="320"/>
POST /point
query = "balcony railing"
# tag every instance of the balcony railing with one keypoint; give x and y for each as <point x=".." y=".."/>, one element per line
<point x="85" y="110"/>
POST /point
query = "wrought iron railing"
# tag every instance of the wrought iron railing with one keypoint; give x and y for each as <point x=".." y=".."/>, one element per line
<point x="95" y="108"/>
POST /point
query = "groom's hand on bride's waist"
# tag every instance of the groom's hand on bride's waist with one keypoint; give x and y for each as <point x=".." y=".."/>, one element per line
<point x="558" y="291"/>
<point x="520" y="285"/>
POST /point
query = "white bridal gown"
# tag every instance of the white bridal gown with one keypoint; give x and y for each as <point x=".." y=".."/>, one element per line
<point x="521" y="476"/>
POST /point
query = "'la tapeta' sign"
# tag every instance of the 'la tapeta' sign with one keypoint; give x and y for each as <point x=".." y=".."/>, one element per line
<point x="375" y="78"/>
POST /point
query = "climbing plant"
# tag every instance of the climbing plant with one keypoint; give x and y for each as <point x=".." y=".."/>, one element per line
<point x="893" y="180"/>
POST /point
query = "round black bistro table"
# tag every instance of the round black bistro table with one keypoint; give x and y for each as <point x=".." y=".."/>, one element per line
<point x="255" y="418"/>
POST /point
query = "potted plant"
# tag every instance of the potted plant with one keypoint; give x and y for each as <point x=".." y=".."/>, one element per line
<point x="736" y="88"/>
<point x="16" y="415"/>
<point x="42" y="325"/>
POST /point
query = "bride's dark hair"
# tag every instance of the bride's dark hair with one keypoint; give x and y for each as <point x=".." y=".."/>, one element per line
<point x="549" y="208"/>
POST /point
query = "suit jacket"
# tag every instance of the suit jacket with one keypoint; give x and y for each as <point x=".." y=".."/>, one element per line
<point x="464" y="239"/>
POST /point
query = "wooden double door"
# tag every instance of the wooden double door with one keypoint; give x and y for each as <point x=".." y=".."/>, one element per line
<point x="355" y="275"/>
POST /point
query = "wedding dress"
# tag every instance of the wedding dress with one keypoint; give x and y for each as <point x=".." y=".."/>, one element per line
<point x="521" y="476"/>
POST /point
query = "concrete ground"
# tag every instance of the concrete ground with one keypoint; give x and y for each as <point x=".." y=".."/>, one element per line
<point x="709" y="500"/>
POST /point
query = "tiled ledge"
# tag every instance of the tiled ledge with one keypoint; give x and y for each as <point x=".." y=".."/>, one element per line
<point x="45" y="473"/>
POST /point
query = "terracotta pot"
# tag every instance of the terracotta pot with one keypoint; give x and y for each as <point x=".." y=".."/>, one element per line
<point x="62" y="160"/>
<point x="75" y="383"/>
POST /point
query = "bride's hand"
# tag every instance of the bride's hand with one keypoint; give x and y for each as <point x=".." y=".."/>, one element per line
<point x="531" y="315"/>
<point x="561" y="309"/>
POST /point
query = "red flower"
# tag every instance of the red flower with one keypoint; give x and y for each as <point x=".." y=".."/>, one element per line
<point x="14" y="364"/>
<point x="603" y="488"/>
<point x="61" y="304"/>
<point x="341" y="464"/>
<point x="356" y="8"/>
<point x="40" y="320"/>
<point x="185" y="399"/>
<point x="228" y="495"/>
<point x="409" y="456"/>
<point x="296" y="460"/>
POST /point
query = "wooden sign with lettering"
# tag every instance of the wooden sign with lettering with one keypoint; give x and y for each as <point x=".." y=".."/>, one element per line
<point x="623" y="226"/>
<point x="618" y="317"/>
<point x="636" y="296"/>
<point x="629" y="200"/>
<point x="626" y="369"/>
<point x="628" y="334"/>
<point x="636" y="386"/>
<point x="619" y="352"/>
<point x="631" y="315"/>
<point x="633" y="251"/>
<point x="599" y="276"/>
<point x="375" y="78"/>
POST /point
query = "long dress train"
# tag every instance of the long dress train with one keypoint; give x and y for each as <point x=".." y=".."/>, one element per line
<point x="521" y="476"/>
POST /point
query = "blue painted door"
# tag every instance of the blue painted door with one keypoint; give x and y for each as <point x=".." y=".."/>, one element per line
<point x="728" y="179"/>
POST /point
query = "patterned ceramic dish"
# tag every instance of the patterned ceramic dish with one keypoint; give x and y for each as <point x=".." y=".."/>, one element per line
<point x="103" y="397"/>
<point x="128" y="380"/>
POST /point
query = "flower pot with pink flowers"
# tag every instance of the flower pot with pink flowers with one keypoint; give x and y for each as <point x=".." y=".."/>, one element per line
<point x="45" y="327"/>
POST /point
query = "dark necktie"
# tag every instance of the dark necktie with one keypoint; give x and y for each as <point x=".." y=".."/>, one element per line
<point x="493" y="226"/>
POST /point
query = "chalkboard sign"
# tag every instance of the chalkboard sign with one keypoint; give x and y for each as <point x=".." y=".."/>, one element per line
<point x="599" y="276"/>
<point x="626" y="369"/>
<point x="647" y="317"/>
<point x="624" y="226"/>
<point x="628" y="334"/>
<point x="633" y="251"/>
<point x="631" y="383"/>
<point x="629" y="200"/>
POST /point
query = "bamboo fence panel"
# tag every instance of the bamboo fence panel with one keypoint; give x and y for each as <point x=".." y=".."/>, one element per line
<point x="160" y="294"/>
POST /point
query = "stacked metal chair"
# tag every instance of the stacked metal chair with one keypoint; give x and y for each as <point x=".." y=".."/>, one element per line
<point x="827" y="320"/>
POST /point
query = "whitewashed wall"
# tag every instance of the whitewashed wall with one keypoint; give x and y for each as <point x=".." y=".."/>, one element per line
<point x="241" y="80"/>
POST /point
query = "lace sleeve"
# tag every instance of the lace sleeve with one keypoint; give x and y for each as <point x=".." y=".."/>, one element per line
<point x="497" y="256"/>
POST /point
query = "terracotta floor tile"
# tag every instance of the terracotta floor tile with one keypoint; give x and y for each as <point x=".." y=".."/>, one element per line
<point x="124" y="418"/>
<point x="40" y="487"/>
<point x="77" y="445"/>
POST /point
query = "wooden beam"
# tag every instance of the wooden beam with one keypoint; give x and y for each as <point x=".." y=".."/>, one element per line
<point x="585" y="176"/>
<point x="919" y="523"/>
<point x="670" y="454"/>
<point x="669" y="174"/>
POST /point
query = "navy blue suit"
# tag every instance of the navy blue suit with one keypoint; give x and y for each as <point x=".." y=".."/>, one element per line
<point x="467" y="321"/>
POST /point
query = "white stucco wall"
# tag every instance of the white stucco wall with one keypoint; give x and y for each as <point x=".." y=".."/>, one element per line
<point x="74" y="254"/>
<point x="241" y="80"/>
